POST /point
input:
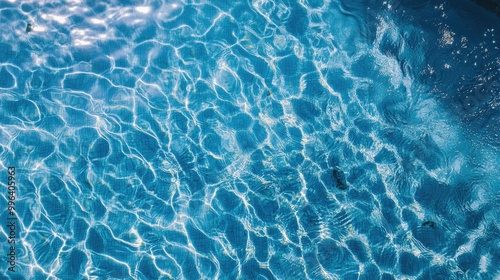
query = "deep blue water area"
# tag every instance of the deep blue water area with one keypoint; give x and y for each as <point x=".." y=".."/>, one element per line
<point x="259" y="139"/>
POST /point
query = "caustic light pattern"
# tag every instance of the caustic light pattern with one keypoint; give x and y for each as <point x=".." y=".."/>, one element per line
<point x="257" y="139"/>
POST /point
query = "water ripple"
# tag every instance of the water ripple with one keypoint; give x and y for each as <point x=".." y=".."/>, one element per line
<point x="259" y="140"/>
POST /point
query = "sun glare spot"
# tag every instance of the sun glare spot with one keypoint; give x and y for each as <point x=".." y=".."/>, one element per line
<point x="143" y="9"/>
<point x="97" y="21"/>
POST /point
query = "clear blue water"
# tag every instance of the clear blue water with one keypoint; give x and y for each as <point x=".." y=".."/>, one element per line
<point x="251" y="140"/>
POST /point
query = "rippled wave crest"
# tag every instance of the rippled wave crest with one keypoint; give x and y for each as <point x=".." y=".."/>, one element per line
<point x="263" y="139"/>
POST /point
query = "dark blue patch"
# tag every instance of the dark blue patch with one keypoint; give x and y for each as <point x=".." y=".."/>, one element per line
<point x="165" y="57"/>
<point x="314" y="3"/>
<point x="261" y="247"/>
<point x="227" y="108"/>
<point x="260" y="132"/>
<point x="226" y="32"/>
<point x="101" y="64"/>
<point x="147" y="268"/>
<point x="236" y="235"/>
<point x="429" y="153"/>
<point x="410" y="218"/>
<point x="468" y="261"/>
<point x="246" y="140"/>
<point x="107" y="268"/>
<point x="99" y="149"/>
<point x="339" y="180"/>
<point x="370" y="272"/>
<point x="252" y="270"/>
<point x="387" y="276"/>
<point x="200" y="241"/>
<point x="358" y="249"/>
<point x="6" y="52"/>
<point x="389" y="46"/>
<point x="6" y="78"/>
<point x="433" y="195"/>
<point x="241" y="121"/>
<point x="194" y="181"/>
<point x="79" y="228"/>
<point x="298" y="22"/>
<point x="212" y="143"/>
<point x="335" y="258"/>
<point x="289" y="65"/>
<point x="276" y="110"/>
<point x="95" y="241"/>
<point x="177" y="118"/>
<point x="265" y="208"/>
<point x="363" y="67"/>
<point x="385" y="156"/>
<point x="437" y="273"/>
<point x="310" y="221"/>
<point x="385" y="257"/>
<point x="76" y="264"/>
<point x="305" y="109"/>
<point x="410" y="264"/>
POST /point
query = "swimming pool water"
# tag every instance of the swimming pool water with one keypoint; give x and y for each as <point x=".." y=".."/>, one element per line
<point x="257" y="139"/>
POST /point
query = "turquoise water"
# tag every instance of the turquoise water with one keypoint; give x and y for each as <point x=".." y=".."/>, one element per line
<point x="251" y="140"/>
